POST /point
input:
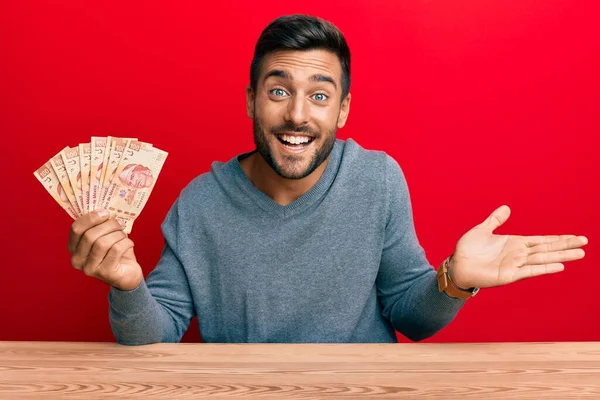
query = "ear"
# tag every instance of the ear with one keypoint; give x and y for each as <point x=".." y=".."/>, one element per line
<point x="344" y="111"/>
<point x="250" y="97"/>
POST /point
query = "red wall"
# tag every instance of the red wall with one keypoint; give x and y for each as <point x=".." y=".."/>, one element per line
<point x="482" y="103"/>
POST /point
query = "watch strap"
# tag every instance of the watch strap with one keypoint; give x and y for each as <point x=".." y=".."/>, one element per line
<point x="446" y="285"/>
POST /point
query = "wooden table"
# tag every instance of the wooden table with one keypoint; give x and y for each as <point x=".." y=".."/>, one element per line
<point x="44" y="370"/>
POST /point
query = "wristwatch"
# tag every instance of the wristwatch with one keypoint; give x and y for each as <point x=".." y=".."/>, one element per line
<point x="445" y="283"/>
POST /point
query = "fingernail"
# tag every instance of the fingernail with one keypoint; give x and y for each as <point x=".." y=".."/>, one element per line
<point x="583" y="239"/>
<point x="102" y="213"/>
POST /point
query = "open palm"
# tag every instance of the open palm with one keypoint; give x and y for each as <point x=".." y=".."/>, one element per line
<point x="483" y="259"/>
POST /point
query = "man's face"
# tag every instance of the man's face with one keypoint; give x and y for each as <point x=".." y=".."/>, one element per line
<point x="296" y="110"/>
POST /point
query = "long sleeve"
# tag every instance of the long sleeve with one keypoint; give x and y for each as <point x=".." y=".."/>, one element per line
<point x="160" y="308"/>
<point x="406" y="282"/>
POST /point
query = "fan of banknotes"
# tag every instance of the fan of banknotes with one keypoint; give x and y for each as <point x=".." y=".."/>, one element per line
<point x="111" y="173"/>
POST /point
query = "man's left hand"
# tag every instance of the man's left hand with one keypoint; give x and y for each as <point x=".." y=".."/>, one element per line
<point x="482" y="259"/>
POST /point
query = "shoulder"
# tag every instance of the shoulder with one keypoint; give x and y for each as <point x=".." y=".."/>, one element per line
<point x="375" y="176"/>
<point x="199" y="187"/>
<point x="209" y="185"/>
<point x="199" y="200"/>
<point x="206" y="191"/>
<point x="372" y="165"/>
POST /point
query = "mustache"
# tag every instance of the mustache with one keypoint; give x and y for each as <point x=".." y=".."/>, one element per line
<point x="289" y="127"/>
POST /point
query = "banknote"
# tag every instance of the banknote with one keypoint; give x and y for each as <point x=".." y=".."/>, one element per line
<point x="132" y="147"/>
<point x="134" y="181"/>
<point x="109" y="140"/>
<point x="61" y="172"/>
<point x="98" y="153"/>
<point x="84" y="162"/>
<point x="117" y="174"/>
<point x="70" y="157"/>
<point x="47" y="177"/>
<point x="117" y="147"/>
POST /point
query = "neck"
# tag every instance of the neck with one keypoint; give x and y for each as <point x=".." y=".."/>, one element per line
<point x="281" y="190"/>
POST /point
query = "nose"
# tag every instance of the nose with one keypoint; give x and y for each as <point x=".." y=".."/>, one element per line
<point x="297" y="111"/>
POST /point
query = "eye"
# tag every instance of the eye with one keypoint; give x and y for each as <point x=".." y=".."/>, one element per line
<point x="320" y="96"/>
<point x="278" y="92"/>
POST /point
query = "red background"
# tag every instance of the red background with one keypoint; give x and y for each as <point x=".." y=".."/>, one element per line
<point x="482" y="103"/>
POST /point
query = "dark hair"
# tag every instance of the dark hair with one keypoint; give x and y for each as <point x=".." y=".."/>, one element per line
<point x="301" y="32"/>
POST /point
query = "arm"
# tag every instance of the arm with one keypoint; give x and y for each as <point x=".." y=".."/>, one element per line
<point x="160" y="308"/>
<point x="406" y="283"/>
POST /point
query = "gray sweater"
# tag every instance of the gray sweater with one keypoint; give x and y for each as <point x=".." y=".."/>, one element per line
<point x="340" y="264"/>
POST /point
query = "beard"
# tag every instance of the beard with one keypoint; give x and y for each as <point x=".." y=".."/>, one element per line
<point x="288" y="167"/>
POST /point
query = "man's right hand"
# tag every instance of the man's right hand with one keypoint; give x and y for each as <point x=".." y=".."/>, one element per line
<point x="101" y="249"/>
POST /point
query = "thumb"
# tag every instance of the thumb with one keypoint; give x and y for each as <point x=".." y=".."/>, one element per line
<point x="496" y="219"/>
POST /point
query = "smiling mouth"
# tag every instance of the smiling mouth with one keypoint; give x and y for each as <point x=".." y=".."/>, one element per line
<point x="294" y="142"/>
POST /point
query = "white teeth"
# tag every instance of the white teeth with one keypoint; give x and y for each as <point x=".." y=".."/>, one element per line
<point x="295" y="139"/>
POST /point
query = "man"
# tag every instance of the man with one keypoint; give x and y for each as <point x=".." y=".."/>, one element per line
<point x="307" y="238"/>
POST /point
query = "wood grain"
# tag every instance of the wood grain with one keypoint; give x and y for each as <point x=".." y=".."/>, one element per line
<point x="53" y="370"/>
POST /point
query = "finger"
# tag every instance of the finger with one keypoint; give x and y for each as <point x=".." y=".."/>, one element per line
<point x="531" y="271"/>
<point x="89" y="238"/>
<point x="532" y="241"/>
<point x="100" y="250"/>
<point x="82" y="224"/>
<point x="570" y="242"/>
<point x="555" y="257"/>
<point x="496" y="219"/>
<point x="113" y="257"/>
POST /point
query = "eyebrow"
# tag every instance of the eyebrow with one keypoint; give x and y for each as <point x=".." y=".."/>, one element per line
<point x="314" y="78"/>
